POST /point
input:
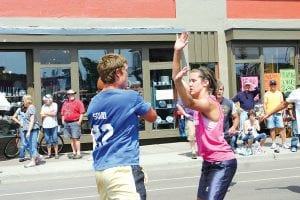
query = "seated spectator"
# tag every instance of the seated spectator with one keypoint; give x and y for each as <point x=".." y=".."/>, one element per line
<point x="251" y="135"/>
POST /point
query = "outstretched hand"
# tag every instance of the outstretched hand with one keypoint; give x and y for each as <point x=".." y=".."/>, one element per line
<point x="181" y="41"/>
<point x="182" y="72"/>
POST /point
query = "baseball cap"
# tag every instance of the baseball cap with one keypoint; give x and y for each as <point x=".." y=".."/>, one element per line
<point x="247" y="83"/>
<point x="273" y="82"/>
<point x="70" y="91"/>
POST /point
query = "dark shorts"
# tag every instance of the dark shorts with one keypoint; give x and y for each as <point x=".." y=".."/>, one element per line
<point x="215" y="179"/>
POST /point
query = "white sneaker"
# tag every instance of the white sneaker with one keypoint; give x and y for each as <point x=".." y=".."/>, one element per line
<point x="285" y="146"/>
<point x="273" y="146"/>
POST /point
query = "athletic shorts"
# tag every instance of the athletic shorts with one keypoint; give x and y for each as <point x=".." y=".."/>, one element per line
<point x="122" y="183"/>
<point x="216" y="178"/>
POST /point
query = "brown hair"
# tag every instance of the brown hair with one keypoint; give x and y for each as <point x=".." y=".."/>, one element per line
<point x="208" y="74"/>
<point x="107" y="67"/>
<point x="251" y="112"/>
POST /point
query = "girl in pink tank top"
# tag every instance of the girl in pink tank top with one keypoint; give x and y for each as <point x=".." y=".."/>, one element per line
<point x="219" y="162"/>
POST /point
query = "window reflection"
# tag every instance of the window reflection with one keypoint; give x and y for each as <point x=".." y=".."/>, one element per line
<point x="55" y="57"/>
<point x="246" y="53"/>
<point x="277" y="58"/>
<point x="13" y="73"/>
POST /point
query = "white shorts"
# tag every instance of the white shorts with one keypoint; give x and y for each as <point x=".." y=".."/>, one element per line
<point x="122" y="183"/>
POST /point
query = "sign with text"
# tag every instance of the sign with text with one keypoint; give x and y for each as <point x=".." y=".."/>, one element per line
<point x="287" y="80"/>
<point x="271" y="76"/>
<point x="254" y="83"/>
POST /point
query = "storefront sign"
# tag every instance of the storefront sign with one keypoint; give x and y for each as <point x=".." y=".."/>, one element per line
<point x="271" y="76"/>
<point x="287" y="80"/>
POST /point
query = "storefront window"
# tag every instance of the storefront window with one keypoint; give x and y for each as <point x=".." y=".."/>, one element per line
<point x="277" y="58"/>
<point x="242" y="53"/>
<point x="12" y="88"/>
<point x="55" y="57"/>
<point x="211" y="66"/>
<point x="161" y="55"/>
<point x="163" y="99"/>
<point x="88" y="74"/>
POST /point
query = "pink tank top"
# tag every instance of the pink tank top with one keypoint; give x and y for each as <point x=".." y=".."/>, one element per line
<point x="210" y="138"/>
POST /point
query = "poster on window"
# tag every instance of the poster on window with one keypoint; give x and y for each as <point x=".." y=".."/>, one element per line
<point x="287" y="80"/>
<point x="271" y="76"/>
<point x="254" y="83"/>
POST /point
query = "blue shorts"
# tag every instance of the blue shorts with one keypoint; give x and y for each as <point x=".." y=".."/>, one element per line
<point x="275" y="121"/>
<point x="50" y="135"/>
<point x="72" y="130"/>
<point x="216" y="178"/>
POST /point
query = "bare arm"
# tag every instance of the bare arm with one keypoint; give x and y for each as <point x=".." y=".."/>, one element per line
<point x="236" y="121"/>
<point x="150" y="116"/>
<point x="281" y="106"/>
<point x="15" y="119"/>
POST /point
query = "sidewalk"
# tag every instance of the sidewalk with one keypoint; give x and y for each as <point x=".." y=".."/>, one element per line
<point x="151" y="155"/>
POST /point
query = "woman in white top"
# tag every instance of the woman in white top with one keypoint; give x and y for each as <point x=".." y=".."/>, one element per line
<point x="49" y="116"/>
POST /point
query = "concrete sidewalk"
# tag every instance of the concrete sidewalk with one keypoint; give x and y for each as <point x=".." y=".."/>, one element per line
<point x="151" y="156"/>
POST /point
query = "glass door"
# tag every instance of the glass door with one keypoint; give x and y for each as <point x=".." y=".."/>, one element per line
<point x="56" y="73"/>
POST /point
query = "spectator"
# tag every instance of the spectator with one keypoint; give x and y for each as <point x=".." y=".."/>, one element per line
<point x="189" y="126"/>
<point x="231" y="118"/>
<point x="293" y="97"/>
<point x="219" y="162"/>
<point x="72" y="113"/>
<point x="49" y="117"/>
<point x="113" y="115"/>
<point x="246" y="100"/>
<point x="272" y="99"/>
<point x="181" y="121"/>
<point x="251" y="134"/>
<point x="31" y="128"/>
<point x="18" y="118"/>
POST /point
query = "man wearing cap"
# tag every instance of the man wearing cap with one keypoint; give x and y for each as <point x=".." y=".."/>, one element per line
<point x="72" y="113"/>
<point x="293" y="97"/>
<point x="272" y="99"/>
<point x="246" y="100"/>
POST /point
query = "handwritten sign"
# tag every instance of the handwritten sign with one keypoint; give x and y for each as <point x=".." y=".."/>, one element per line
<point x="287" y="80"/>
<point x="271" y="76"/>
<point x="254" y="83"/>
<point x="252" y="79"/>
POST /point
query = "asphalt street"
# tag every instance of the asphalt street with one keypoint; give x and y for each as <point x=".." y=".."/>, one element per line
<point x="172" y="174"/>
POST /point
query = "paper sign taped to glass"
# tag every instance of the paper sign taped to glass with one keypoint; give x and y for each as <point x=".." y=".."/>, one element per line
<point x="164" y="94"/>
<point x="4" y="104"/>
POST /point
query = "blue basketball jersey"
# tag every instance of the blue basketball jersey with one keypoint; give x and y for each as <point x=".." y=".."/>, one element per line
<point x="113" y="117"/>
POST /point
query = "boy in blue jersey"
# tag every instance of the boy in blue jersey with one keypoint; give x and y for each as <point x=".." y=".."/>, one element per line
<point x="113" y="115"/>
